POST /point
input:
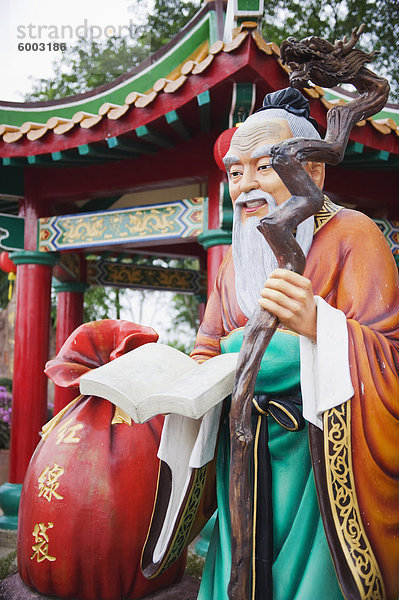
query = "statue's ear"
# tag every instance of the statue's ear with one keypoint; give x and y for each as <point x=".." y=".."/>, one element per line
<point x="317" y="172"/>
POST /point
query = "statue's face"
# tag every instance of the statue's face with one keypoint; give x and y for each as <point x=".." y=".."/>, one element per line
<point x="248" y="164"/>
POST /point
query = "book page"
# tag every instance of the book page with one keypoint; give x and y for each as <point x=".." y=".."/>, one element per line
<point x="144" y="371"/>
<point x="197" y="391"/>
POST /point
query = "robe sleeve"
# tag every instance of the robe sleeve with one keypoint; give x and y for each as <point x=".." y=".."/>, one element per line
<point x="207" y="343"/>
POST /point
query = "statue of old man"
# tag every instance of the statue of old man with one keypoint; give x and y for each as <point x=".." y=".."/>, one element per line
<point x="325" y="514"/>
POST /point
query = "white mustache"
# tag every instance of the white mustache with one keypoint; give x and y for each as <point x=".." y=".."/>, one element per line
<point x="256" y="195"/>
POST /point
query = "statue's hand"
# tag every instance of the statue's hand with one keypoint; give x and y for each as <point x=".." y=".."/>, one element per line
<point x="289" y="297"/>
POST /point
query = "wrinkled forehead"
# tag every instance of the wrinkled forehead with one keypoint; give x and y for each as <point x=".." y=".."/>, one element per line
<point x="256" y="132"/>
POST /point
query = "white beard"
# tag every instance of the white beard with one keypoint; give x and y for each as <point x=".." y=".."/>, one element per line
<point x="253" y="258"/>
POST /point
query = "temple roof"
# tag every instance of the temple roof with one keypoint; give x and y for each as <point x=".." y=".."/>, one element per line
<point x="189" y="70"/>
<point x="174" y="106"/>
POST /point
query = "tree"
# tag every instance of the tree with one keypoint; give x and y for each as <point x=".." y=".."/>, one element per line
<point x="333" y="19"/>
<point x="167" y="19"/>
<point x="4" y="286"/>
<point x="102" y="303"/>
<point x="91" y="63"/>
<point x="87" y="65"/>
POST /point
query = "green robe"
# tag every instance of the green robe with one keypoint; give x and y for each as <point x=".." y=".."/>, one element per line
<point x="302" y="566"/>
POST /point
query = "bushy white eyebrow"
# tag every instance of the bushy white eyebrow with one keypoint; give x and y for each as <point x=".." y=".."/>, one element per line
<point x="230" y="159"/>
<point x="263" y="151"/>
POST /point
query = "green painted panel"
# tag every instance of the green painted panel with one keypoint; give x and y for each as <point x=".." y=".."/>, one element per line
<point x="213" y="28"/>
<point x="171" y="220"/>
<point x="383" y="155"/>
<point x="12" y="232"/>
<point x="128" y="275"/>
<point x="248" y="5"/>
<point x="354" y="148"/>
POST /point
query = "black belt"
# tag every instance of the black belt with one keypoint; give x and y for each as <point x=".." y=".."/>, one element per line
<point x="286" y="411"/>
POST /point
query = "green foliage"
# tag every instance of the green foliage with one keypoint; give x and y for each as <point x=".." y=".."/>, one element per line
<point x="166" y="20"/>
<point x="5" y="416"/>
<point x="195" y="565"/>
<point x="6" y="383"/>
<point x="333" y="19"/>
<point x="185" y="322"/>
<point x="91" y="63"/>
<point x="7" y="564"/>
<point x="185" y="319"/>
<point x="87" y="65"/>
<point x="4" y="286"/>
<point x="102" y="303"/>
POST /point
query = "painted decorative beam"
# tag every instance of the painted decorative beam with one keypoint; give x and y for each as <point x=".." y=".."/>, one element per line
<point x="153" y="223"/>
<point x="69" y="267"/>
<point x="130" y="147"/>
<point x="95" y="151"/>
<point x="354" y="148"/>
<point x="173" y="119"/>
<point x="71" y="158"/>
<point x="39" y="160"/>
<point x="204" y="105"/>
<point x="125" y="275"/>
<point x="364" y="160"/>
<point x="9" y="161"/>
<point x="153" y="137"/>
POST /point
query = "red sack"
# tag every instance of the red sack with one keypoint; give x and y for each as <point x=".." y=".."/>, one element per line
<point x="88" y="494"/>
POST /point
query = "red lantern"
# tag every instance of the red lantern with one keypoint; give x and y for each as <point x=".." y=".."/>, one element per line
<point x="9" y="267"/>
<point x="222" y="146"/>
<point x="88" y="493"/>
<point x="6" y="263"/>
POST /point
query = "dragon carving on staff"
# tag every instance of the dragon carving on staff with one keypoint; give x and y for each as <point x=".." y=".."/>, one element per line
<point x="318" y="61"/>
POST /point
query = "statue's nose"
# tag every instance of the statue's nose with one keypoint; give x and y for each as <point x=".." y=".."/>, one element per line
<point x="248" y="182"/>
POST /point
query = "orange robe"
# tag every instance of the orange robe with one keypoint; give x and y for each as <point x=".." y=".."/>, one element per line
<point x="356" y="457"/>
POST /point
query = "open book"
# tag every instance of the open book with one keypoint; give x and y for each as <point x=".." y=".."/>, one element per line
<point x="156" y="378"/>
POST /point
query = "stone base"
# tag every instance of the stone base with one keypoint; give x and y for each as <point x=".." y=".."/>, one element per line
<point x="13" y="588"/>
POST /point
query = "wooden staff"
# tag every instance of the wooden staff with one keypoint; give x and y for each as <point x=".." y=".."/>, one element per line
<point x="277" y="229"/>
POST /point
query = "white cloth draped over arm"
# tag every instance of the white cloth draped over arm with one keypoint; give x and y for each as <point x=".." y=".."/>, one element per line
<point x="325" y="371"/>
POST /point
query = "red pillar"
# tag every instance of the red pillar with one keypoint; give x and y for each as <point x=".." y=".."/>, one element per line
<point x="32" y="327"/>
<point x="216" y="254"/>
<point x="69" y="317"/>
<point x="216" y="240"/>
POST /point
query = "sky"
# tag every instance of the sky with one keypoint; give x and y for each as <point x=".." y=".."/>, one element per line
<point x="47" y="22"/>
